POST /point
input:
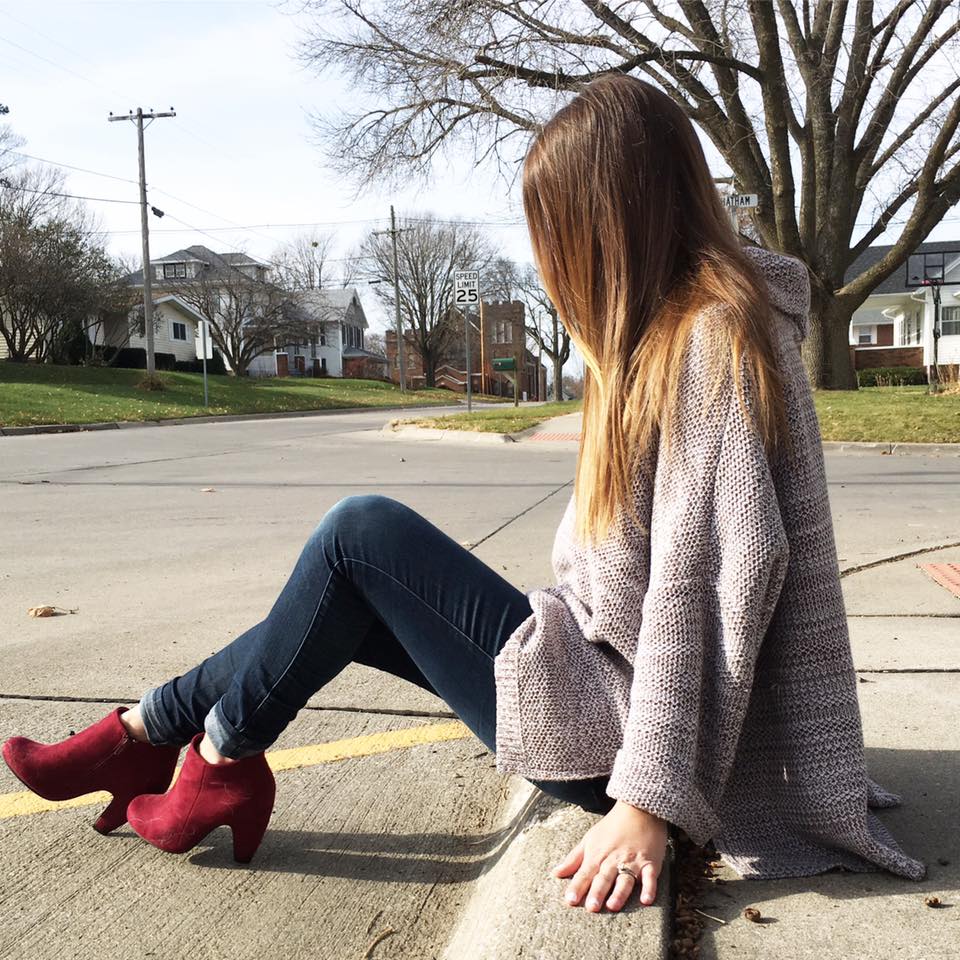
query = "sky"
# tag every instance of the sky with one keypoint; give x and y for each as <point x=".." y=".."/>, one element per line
<point x="241" y="150"/>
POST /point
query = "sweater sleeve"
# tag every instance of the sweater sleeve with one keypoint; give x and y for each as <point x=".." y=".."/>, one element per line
<point x="718" y="558"/>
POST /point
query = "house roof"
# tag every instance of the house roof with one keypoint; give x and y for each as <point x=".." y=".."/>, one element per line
<point x="330" y="302"/>
<point x="181" y="305"/>
<point x="199" y="254"/>
<point x="897" y="281"/>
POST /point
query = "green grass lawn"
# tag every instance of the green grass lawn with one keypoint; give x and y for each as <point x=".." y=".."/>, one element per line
<point x="32" y="394"/>
<point x="507" y="420"/>
<point x="879" y="414"/>
<point x="889" y="415"/>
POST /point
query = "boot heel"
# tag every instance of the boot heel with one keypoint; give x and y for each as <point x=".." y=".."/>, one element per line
<point x="114" y="815"/>
<point x="247" y="837"/>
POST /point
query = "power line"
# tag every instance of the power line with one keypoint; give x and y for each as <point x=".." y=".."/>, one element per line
<point x="67" y="166"/>
<point x="69" y="196"/>
<point x="182" y="127"/>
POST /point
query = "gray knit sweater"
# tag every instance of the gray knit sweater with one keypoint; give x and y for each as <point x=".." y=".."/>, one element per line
<point x="706" y="666"/>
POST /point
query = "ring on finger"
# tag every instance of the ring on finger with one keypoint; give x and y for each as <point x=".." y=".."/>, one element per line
<point x="626" y="868"/>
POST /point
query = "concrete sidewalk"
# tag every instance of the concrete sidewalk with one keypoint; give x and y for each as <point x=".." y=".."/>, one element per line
<point x="172" y="542"/>
<point x="905" y="633"/>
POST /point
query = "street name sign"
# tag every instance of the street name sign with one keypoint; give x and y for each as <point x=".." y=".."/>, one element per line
<point x="737" y="200"/>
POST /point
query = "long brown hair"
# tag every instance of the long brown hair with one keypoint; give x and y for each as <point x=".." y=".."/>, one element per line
<point x="632" y="243"/>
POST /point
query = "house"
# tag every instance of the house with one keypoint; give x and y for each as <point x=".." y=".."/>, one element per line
<point x="336" y="314"/>
<point x="893" y="327"/>
<point x="503" y="336"/>
<point x="337" y="350"/>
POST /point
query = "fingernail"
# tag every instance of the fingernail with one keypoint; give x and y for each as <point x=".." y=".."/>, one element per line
<point x="571" y="896"/>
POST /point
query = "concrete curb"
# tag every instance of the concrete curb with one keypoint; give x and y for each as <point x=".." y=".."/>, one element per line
<point x="180" y="421"/>
<point x="435" y="435"/>
<point x="516" y="909"/>
<point x="949" y="449"/>
<point x="836" y="446"/>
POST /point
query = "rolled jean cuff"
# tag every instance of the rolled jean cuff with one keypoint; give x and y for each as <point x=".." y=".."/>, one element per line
<point x="151" y="712"/>
<point x="226" y="739"/>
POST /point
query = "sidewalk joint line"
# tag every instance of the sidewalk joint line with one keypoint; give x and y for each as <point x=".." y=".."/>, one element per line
<point x="507" y="523"/>
<point x="385" y="711"/>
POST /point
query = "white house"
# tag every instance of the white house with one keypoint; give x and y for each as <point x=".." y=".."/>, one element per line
<point x="337" y="313"/>
<point x="894" y="325"/>
<point x="341" y="321"/>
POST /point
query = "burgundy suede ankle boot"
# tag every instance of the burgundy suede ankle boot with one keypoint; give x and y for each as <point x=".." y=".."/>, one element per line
<point x="204" y="796"/>
<point x="101" y="757"/>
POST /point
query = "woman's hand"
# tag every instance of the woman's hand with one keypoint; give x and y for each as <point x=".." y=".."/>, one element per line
<point x="628" y="835"/>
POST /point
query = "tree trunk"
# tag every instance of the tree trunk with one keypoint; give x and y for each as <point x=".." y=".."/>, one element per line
<point x="826" y="350"/>
<point x="429" y="369"/>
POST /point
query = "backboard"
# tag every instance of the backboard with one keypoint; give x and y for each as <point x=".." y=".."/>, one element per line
<point x="934" y="269"/>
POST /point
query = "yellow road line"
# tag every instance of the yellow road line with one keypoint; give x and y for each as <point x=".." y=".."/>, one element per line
<point x="26" y="802"/>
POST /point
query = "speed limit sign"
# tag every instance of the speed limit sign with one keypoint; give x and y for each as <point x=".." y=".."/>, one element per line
<point x="466" y="287"/>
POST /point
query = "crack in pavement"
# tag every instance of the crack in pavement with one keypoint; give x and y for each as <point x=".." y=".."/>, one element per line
<point x="898" y="556"/>
<point x="906" y="616"/>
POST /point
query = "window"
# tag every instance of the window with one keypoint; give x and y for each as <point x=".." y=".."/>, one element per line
<point x="323" y="336"/>
<point x="178" y="331"/>
<point x="865" y="338"/>
<point x="949" y="321"/>
<point x="172" y="271"/>
<point x="323" y="364"/>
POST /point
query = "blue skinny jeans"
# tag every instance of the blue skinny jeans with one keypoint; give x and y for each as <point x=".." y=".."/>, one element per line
<point x="376" y="584"/>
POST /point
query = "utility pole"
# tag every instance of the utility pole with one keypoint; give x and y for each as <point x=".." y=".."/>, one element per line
<point x="557" y="368"/>
<point x="540" y="376"/>
<point x="138" y="119"/>
<point x="393" y="231"/>
<point x="483" y="358"/>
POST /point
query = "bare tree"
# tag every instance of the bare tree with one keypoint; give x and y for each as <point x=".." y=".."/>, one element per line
<point x="842" y="116"/>
<point x="375" y="342"/>
<point x="499" y="280"/>
<point x="299" y="264"/>
<point x="428" y="254"/>
<point x="573" y="386"/>
<point x="248" y="317"/>
<point x="9" y="143"/>
<point x="54" y="275"/>
<point x="554" y="341"/>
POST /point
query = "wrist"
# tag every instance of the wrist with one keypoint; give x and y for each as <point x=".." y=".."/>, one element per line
<point x="638" y="812"/>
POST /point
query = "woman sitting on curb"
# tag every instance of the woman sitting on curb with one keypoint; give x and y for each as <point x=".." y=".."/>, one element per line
<point x="692" y="664"/>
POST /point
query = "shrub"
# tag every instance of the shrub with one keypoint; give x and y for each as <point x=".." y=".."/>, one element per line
<point x="135" y="358"/>
<point x="215" y="365"/>
<point x="892" y="376"/>
<point x="151" y="383"/>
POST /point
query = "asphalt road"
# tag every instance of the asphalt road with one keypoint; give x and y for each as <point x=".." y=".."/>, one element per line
<point x="170" y="541"/>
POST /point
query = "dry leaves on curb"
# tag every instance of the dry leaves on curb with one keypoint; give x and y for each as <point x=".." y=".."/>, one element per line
<point x="45" y="610"/>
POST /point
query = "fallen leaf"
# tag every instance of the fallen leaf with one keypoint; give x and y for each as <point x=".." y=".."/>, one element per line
<point x="752" y="914"/>
<point x="933" y="902"/>
<point x="208" y="490"/>
<point x="45" y="610"/>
